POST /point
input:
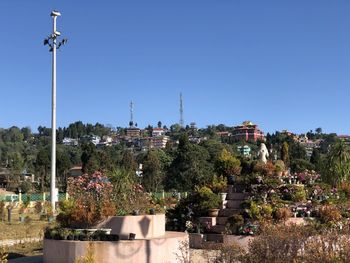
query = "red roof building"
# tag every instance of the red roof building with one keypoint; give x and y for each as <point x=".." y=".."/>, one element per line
<point x="247" y="132"/>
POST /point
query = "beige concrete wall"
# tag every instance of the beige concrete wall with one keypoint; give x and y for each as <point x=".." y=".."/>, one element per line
<point x="173" y="247"/>
<point x="144" y="226"/>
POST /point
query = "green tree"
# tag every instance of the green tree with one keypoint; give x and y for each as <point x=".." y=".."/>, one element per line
<point x="89" y="159"/>
<point x="315" y="159"/>
<point x="319" y="130"/>
<point x="128" y="161"/>
<point x="153" y="176"/>
<point x="285" y="154"/>
<point x="227" y="164"/>
<point x="190" y="166"/>
<point x="63" y="164"/>
<point x="337" y="165"/>
<point x="42" y="166"/>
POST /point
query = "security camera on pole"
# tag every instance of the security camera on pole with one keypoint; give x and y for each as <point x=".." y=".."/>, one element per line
<point x="51" y="41"/>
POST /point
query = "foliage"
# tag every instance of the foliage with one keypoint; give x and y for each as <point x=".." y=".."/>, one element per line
<point x="283" y="213"/>
<point x="190" y="167"/>
<point x="234" y="223"/>
<point x="227" y="164"/>
<point x="3" y="254"/>
<point x="337" y="166"/>
<point x="300" y="165"/>
<point x="219" y="184"/>
<point x="329" y="214"/>
<point x="206" y="200"/>
<point x="279" y="166"/>
<point x="188" y="209"/>
<point x="90" y="201"/>
<point x="285" y="154"/>
<point x="128" y="194"/>
<point x="267" y="169"/>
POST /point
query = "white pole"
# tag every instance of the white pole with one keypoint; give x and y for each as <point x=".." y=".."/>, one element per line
<point x="53" y="120"/>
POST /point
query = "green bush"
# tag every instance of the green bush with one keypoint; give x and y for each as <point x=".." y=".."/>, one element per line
<point x="207" y="200"/>
<point x="234" y="223"/>
<point x="299" y="195"/>
<point x="254" y="211"/>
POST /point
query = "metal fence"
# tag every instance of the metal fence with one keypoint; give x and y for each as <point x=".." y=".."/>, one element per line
<point x="63" y="196"/>
<point x="38" y="197"/>
<point x="162" y="195"/>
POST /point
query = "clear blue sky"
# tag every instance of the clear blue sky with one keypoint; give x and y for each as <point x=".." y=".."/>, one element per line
<point x="281" y="64"/>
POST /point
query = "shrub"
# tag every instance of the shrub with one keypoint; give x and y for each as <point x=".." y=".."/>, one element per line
<point x="283" y="213"/>
<point x="90" y="201"/>
<point x="299" y="195"/>
<point x="206" y="200"/>
<point x="279" y="165"/>
<point x="329" y="214"/>
<point x="234" y="223"/>
<point x="219" y="184"/>
<point x="345" y="188"/>
<point x="254" y="211"/>
<point x="38" y="207"/>
<point x="266" y="211"/>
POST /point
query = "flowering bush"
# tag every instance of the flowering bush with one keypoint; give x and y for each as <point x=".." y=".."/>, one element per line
<point x="89" y="201"/>
<point x="307" y="177"/>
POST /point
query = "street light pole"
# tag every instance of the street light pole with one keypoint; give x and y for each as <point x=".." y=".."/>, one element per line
<point x="53" y="120"/>
<point x="52" y="42"/>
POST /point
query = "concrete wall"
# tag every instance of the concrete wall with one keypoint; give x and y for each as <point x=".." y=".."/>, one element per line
<point x="172" y="247"/>
<point x="144" y="226"/>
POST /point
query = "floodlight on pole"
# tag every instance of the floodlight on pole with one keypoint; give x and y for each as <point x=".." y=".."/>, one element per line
<point x="51" y="41"/>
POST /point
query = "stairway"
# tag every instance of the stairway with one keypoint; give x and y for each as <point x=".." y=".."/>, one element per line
<point x="232" y="205"/>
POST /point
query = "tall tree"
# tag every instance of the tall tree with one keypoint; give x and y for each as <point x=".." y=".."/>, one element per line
<point x="285" y="154"/>
<point x="89" y="159"/>
<point x="153" y="175"/>
<point x="337" y="166"/>
<point x="42" y="166"/>
<point x="190" y="166"/>
<point x="227" y="164"/>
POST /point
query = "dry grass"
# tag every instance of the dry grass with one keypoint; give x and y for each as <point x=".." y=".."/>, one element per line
<point x="25" y="250"/>
<point x="17" y="230"/>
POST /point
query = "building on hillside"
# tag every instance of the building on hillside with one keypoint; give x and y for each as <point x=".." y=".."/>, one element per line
<point x="133" y="132"/>
<point x="247" y="132"/>
<point x="308" y="144"/>
<point x="159" y="142"/>
<point x="90" y="138"/>
<point x="244" y="150"/>
<point x="105" y="141"/>
<point x="70" y="141"/>
<point x="75" y="171"/>
<point x="158" y="132"/>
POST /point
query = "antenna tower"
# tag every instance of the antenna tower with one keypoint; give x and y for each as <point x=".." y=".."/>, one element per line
<point x="181" y="111"/>
<point x="131" y="113"/>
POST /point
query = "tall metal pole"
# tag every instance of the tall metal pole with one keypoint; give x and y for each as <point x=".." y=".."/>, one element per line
<point x="53" y="119"/>
<point x="51" y="41"/>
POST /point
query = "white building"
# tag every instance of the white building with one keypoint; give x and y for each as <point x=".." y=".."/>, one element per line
<point x="159" y="142"/>
<point x="158" y="132"/>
